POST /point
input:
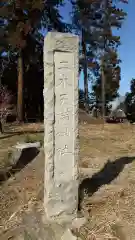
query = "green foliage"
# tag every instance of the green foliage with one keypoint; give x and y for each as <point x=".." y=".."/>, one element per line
<point x="23" y="23"/>
<point x="19" y="19"/>
<point x="112" y="72"/>
<point x="84" y="20"/>
<point x="82" y="99"/>
<point x="96" y="20"/>
<point x="130" y="102"/>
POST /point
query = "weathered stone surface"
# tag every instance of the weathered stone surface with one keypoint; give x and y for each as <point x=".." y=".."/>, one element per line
<point x="68" y="235"/>
<point x="21" y="146"/>
<point x="61" y="125"/>
<point x="78" y="223"/>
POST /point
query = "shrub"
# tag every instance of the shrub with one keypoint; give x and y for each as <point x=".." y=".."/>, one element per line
<point x="5" y="99"/>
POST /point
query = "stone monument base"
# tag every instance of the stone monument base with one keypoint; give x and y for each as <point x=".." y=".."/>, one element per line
<point x="64" y="230"/>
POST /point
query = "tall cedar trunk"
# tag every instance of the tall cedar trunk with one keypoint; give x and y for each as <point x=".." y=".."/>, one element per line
<point x="1" y="127"/>
<point x="84" y="50"/>
<point x="20" y="88"/>
<point x="103" y="77"/>
<point x="103" y="89"/>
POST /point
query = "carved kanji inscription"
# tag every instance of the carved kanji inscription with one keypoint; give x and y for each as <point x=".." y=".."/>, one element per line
<point x="64" y="108"/>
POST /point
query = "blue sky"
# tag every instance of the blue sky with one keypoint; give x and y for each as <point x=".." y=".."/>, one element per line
<point x="127" y="48"/>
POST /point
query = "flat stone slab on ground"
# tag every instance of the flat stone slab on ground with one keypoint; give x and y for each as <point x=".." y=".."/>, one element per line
<point x="21" y="146"/>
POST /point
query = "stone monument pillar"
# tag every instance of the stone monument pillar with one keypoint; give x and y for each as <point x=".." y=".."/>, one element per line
<point x="61" y="126"/>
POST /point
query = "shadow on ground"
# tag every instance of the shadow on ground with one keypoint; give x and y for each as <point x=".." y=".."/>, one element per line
<point x="106" y="175"/>
<point x="26" y="157"/>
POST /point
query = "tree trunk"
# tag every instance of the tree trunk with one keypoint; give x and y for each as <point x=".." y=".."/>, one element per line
<point x="1" y="127"/>
<point x="103" y="89"/>
<point x="86" y="92"/>
<point x="103" y="77"/>
<point x="20" y="88"/>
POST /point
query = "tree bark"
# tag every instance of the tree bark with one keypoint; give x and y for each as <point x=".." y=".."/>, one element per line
<point x="20" y="88"/>
<point x="1" y="127"/>
<point x="103" y="90"/>
<point x="86" y="92"/>
<point x="103" y="77"/>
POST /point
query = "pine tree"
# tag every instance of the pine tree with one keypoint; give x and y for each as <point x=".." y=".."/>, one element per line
<point x="84" y="20"/>
<point x="96" y="20"/>
<point x="130" y="102"/>
<point x="20" y="21"/>
<point x="112" y="74"/>
<point x="112" y="18"/>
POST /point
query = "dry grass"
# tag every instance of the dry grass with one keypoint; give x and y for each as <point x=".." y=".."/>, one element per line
<point x="111" y="206"/>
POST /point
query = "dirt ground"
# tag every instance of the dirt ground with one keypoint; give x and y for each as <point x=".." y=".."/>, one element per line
<point x="107" y="177"/>
<point x="109" y="153"/>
